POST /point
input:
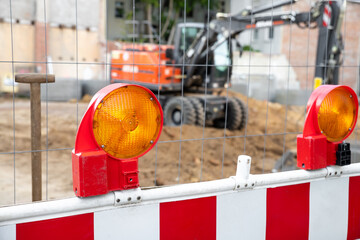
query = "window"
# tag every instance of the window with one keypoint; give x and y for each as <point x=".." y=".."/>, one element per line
<point x="256" y="33"/>
<point x="222" y="8"/>
<point x="222" y="58"/>
<point x="190" y="35"/>
<point x="119" y="9"/>
<point x="269" y="33"/>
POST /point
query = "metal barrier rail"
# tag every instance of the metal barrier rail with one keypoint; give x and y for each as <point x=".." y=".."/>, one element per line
<point x="241" y="182"/>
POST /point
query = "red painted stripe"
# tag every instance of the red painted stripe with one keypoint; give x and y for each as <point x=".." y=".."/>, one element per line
<point x="74" y="227"/>
<point x="327" y="10"/>
<point x="250" y="26"/>
<point x="188" y="219"/>
<point x="324" y="23"/>
<point x="354" y="208"/>
<point x="287" y="212"/>
<point x="279" y="22"/>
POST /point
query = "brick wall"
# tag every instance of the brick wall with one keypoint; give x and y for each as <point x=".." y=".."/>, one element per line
<point x="351" y="32"/>
<point x="299" y="45"/>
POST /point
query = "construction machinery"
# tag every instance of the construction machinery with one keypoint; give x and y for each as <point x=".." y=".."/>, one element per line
<point x="183" y="94"/>
<point x="189" y="76"/>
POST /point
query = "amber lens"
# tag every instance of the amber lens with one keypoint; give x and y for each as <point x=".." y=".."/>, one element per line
<point x="336" y="115"/>
<point x="127" y="122"/>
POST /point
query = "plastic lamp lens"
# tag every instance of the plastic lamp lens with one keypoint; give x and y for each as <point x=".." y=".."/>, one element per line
<point x="127" y="122"/>
<point x="336" y="116"/>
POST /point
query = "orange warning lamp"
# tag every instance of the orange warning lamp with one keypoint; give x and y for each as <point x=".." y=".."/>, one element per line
<point x="331" y="117"/>
<point x="122" y="123"/>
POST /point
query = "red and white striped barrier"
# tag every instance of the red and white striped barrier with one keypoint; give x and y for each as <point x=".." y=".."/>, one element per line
<point x="321" y="204"/>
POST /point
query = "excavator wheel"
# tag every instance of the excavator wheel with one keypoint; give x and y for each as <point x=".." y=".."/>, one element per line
<point x="199" y="110"/>
<point x="173" y="113"/>
<point x="243" y="113"/>
<point x="233" y="120"/>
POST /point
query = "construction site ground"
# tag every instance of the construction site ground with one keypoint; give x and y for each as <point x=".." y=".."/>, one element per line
<point x="183" y="155"/>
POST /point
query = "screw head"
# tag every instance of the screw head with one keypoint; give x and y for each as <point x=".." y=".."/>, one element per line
<point x="151" y="99"/>
<point x="151" y="142"/>
<point x="102" y="146"/>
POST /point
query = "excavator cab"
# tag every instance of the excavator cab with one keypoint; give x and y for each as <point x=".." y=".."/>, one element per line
<point x="213" y="69"/>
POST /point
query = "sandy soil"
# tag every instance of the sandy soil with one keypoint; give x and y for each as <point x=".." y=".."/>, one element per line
<point x="186" y="154"/>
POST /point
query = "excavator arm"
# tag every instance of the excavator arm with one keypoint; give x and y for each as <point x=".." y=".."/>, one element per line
<point x="325" y="15"/>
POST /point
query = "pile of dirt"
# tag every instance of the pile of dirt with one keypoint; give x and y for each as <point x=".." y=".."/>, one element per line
<point x="192" y="154"/>
<point x="183" y="154"/>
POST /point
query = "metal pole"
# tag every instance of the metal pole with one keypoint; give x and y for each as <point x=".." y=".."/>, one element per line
<point x="35" y="80"/>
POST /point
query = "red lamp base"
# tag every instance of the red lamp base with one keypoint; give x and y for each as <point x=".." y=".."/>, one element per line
<point x="315" y="152"/>
<point x="95" y="173"/>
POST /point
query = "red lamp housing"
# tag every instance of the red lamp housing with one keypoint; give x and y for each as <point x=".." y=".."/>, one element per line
<point x="122" y="123"/>
<point x="331" y="117"/>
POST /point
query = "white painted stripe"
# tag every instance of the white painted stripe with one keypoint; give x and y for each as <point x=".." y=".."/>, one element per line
<point x="329" y="209"/>
<point x="328" y="8"/>
<point x="135" y="222"/>
<point x="8" y="232"/>
<point x="241" y="215"/>
<point x="326" y="19"/>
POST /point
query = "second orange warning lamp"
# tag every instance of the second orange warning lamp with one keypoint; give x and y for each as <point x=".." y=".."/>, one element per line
<point x="332" y="112"/>
<point x="124" y="121"/>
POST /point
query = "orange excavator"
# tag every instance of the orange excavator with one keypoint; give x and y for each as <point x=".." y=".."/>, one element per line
<point x="190" y="75"/>
<point x="186" y="99"/>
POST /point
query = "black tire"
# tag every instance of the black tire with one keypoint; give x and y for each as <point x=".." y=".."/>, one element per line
<point x="173" y="113"/>
<point x="233" y="119"/>
<point x="199" y="110"/>
<point x="243" y="113"/>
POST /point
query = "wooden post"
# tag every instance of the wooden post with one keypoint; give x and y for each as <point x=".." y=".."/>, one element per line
<point x="35" y="79"/>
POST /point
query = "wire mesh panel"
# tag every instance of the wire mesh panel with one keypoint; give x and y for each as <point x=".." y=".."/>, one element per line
<point x="233" y="77"/>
